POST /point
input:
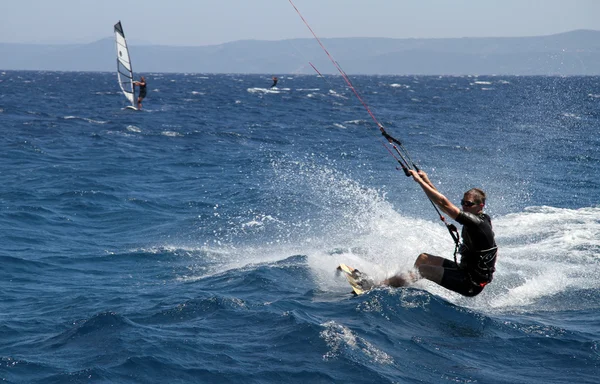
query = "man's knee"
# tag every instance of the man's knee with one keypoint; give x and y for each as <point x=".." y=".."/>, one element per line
<point x="421" y="259"/>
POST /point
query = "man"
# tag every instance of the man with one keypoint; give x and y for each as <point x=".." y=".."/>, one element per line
<point x="478" y="250"/>
<point x="275" y="79"/>
<point x="142" y="85"/>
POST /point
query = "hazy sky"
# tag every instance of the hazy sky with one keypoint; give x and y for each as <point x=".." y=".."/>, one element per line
<point x="205" y="22"/>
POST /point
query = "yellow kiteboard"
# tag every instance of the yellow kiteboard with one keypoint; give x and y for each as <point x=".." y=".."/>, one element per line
<point x="359" y="281"/>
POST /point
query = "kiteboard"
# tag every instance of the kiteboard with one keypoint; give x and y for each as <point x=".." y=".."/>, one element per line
<point x="131" y="107"/>
<point x="358" y="280"/>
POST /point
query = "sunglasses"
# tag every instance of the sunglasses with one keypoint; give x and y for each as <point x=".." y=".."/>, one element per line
<point x="467" y="203"/>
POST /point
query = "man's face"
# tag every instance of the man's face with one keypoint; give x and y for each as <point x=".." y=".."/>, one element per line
<point x="468" y="204"/>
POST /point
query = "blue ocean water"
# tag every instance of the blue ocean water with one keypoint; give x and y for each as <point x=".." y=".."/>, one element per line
<point x="196" y="240"/>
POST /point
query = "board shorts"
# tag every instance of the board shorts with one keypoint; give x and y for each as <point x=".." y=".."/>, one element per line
<point x="142" y="93"/>
<point x="458" y="280"/>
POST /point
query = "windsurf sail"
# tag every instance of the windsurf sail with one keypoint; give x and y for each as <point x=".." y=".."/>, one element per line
<point x="124" y="70"/>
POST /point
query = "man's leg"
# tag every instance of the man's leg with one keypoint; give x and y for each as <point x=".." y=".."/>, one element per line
<point x="428" y="266"/>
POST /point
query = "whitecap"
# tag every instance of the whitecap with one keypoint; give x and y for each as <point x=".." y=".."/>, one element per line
<point x="262" y="90"/>
<point x="133" y="128"/>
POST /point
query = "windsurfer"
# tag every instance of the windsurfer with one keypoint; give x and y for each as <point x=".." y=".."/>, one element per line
<point x="142" y="94"/>
<point x="478" y="250"/>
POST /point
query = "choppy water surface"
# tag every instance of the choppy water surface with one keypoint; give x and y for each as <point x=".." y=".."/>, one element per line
<point x="196" y="241"/>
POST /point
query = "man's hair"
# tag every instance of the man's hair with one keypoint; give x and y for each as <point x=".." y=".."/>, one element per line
<point x="478" y="195"/>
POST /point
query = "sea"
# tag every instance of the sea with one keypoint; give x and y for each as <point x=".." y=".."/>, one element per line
<point x="196" y="240"/>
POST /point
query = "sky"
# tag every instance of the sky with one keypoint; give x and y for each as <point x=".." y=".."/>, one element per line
<point x="209" y="22"/>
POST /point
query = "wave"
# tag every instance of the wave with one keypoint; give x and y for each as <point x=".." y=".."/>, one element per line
<point x="544" y="251"/>
<point x="263" y="90"/>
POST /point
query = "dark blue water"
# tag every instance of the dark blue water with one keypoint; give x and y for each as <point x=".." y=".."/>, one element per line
<point x="196" y="240"/>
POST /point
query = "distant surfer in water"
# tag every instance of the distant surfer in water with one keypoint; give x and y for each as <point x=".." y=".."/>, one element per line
<point x="142" y="95"/>
<point x="275" y="79"/>
<point x="478" y="250"/>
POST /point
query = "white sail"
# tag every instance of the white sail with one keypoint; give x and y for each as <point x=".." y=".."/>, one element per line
<point x="124" y="70"/>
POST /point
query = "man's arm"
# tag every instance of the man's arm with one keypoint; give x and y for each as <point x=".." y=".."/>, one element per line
<point x="425" y="178"/>
<point x="434" y="195"/>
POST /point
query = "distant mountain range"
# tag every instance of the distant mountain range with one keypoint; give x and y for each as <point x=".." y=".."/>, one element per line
<point x="569" y="53"/>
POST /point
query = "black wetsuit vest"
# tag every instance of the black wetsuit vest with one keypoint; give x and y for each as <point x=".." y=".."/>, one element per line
<point x="478" y="250"/>
<point x="143" y="90"/>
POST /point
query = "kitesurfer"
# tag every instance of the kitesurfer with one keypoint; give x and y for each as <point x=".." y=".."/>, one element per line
<point x="478" y="249"/>
<point x="275" y="79"/>
<point x="142" y="94"/>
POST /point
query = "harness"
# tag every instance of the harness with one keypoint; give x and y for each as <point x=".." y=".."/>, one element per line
<point x="485" y="264"/>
